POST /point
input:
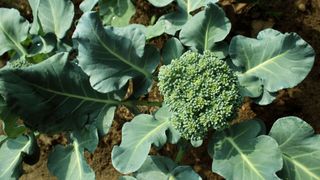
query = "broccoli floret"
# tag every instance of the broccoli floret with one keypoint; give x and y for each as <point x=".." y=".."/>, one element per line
<point x="20" y="63"/>
<point x="201" y="91"/>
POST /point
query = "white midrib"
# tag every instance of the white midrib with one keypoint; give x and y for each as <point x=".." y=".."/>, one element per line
<point x="76" y="96"/>
<point x="269" y="61"/>
<point x="244" y="157"/>
<point x="15" y="159"/>
<point x="78" y="156"/>
<point x="151" y="133"/>
<point x="301" y="166"/>
<point x="145" y="73"/>
<point x="17" y="44"/>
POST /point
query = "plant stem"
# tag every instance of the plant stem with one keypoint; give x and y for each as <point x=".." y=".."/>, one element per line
<point x="141" y="103"/>
<point x="180" y="154"/>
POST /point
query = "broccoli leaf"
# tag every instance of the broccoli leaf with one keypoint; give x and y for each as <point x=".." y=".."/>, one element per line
<point x="174" y="21"/>
<point x="51" y="13"/>
<point x="11" y="128"/>
<point x="137" y="137"/>
<point x="239" y="154"/>
<point x="69" y="162"/>
<point x="116" y="12"/>
<point x="54" y="95"/>
<point x="109" y="59"/>
<point x="206" y="28"/>
<point x="164" y="168"/>
<point x="35" y="26"/>
<point x="87" y="5"/>
<point x="271" y="62"/>
<point x="300" y="148"/>
<point x="12" y="153"/>
<point x="172" y="49"/>
<point x="13" y="30"/>
<point x="160" y="3"/>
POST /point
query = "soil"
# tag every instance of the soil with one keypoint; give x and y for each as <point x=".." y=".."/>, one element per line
<point x="300" y="16"/>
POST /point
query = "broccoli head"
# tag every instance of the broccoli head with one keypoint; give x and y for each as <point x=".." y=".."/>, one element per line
<point x="201" y="91"/>
<point x="20" y="63"/>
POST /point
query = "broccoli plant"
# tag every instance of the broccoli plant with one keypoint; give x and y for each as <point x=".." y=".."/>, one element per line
<point x="55" y="83"/>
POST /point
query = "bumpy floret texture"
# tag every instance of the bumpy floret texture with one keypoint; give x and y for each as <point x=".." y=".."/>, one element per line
<point x="201" y="91"/>
<point x="20" y="63"/>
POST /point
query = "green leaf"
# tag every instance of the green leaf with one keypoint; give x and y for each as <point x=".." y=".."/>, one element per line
<point x="191" y="5"/>
<point x="87" y="5"/>
<point x="35" y="27"/>
<point x="116" y="12"/>
<point x="300" y="148"/>
<point x="110" y="60"/>
<point x="12" y="153"/>
<point x="158" y="167"/>
<point x="2" y="139"/>
<point x="69" y="162"/>
<point x="160" y="3"/>
<point x="239" y="154"/>
<point x="55" y="16"/>
<point x="137" y="137"/>
<point x="10" y="126"/>
<point x="127" y="178"/>
<point x="172" y="49"/>
<point x="206" y="28"/>
<point x="273" y="61"/>
<point x="54" y="95"/>
<point x="13" y="30"/>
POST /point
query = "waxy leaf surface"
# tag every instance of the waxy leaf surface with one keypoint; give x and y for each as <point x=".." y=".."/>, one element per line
<point x="239" y="154"/>
<point x="300" y="148"/>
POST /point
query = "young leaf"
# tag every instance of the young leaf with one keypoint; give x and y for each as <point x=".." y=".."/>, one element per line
<point x="300" y="148"/>
<point x="239" y="154"/>
<point x="116" y="12"/>
<point x="172" y="49"/>
<point x="10" y="126"/>
<point x="87" y="5"/>
<point x="273" y="60"/>
<point x="69" y="162"/>
<point x="164" y="168"/>
<point x="53" y="96"/>
<point x="35" y="26"/>
<point x="12" y="153"/>
<point x="54" y="16"/>
<point x="137" y="137"/>
<point x="13" y="30"/>
<point x="160" y="3"/>
<point x="206" y="28"/>
<point x="191" y="5"/>
<point x="110" y="60"/>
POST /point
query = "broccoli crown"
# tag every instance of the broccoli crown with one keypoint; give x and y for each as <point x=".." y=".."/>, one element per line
<point x="20" y="63"/>
<point x="201" y="91"/>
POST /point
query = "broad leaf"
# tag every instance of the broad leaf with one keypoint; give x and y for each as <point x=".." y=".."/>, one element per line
<point x="160" y="3"/>
<point x="191" y="5"/>
<point x="13" y="30"/>
<point x="10" y="126"/>
<point x="12" y="153"/>
<point x="116" y="12"/>
<point x="158" y="167"/>
<point x="206" y="28"/>
<point x="87" y="5"/>
<point x="239" y="154"/>
<point x="172" y="49"/>
<point x="273" y="61"/>
<point x="300" y="148"/>
<point x="55" y="16"/>
<point x="69" y="162"/>
<point x="137" y="137"/>
<point x="110" y="60"/>
<point x="35" y="27"/>
<point x="54" y="95"/>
